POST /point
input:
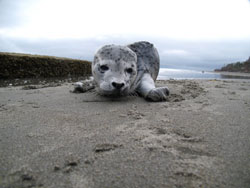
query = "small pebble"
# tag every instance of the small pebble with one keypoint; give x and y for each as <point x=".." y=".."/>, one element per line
<point x="56" y="168"/>
<point x="26" y="177"/>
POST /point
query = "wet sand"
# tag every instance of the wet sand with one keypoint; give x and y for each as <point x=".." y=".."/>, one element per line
<point x="233" y="75"/>
<point x="50" y="137"/>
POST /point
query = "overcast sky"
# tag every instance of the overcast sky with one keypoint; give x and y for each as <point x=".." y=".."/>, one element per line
<point x="203" y="34"/>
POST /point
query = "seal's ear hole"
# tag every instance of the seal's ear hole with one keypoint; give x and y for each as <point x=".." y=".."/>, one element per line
<point x="104" y="67"/>
<point x="129" y="70"/>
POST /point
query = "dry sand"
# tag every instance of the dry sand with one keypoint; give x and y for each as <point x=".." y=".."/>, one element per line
<point x="50" y="137"/>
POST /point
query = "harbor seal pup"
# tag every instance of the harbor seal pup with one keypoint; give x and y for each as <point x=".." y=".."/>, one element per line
<point x="122" y="70"/>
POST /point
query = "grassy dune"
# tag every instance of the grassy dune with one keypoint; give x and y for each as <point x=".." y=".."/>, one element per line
<point x="237" y="67"/>
<point x="15" y="65"/>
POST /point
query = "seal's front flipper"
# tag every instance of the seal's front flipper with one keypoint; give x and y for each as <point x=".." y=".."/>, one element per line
<point x="78" y="87"/>
<point x="158" y="94"/>
<point x="82" y="87"/>
<point x="149" y="92"/>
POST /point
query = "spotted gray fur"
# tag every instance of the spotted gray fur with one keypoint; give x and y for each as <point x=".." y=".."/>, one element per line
<point x="122" y="70"/>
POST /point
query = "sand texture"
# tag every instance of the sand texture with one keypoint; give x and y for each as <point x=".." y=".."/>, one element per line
<point x="200" y="137"/>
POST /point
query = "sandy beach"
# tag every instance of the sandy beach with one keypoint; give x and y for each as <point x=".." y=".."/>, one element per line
<point x="50" y="137"/>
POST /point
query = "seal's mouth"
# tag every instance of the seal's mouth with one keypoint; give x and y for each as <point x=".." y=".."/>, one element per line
<point x="114" y="92"/>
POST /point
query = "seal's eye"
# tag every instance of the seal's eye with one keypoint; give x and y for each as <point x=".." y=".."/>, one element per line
<point x="129" y="70"/>
<point x="104" y="67"/>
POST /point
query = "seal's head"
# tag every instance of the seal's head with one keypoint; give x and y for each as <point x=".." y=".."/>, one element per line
<point x="114" y="70"/>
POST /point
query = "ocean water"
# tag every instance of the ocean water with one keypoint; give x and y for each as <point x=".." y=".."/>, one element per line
<point x="165" y="74"/>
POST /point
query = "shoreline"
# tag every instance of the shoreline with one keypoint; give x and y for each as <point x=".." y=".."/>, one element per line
<point x="37" y="81"/>
<point x="241" y="74"/>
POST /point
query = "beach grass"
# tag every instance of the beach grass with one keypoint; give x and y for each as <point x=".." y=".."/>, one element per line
<point x="16" y="65"/>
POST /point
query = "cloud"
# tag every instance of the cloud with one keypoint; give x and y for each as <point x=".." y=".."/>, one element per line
<point x="202" y="54"/>
<point x="190" y="33"/>
<point x="179" y="19"/>
<point x="9" y="46"/>
<point x="14" y="14"/>
<point x="175" y="52"/>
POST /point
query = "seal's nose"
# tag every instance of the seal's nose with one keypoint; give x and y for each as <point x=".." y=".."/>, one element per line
<point x="117" y="85"/>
